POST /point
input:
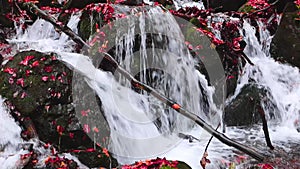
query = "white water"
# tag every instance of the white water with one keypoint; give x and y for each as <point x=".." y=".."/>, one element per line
<point x="283" y="81"/>
<point x="9" y="139"/>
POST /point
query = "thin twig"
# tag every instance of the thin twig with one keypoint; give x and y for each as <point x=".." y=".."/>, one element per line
<point x="205" y="150"/>
<point x="265" y="127"/>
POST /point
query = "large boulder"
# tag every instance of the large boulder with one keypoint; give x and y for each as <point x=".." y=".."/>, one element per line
<point x="243" y="110"/>
<point x="38" y="91"/>
<point x="285" y="46"/>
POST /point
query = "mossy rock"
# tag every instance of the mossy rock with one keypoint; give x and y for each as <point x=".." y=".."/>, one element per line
<point x="183" y="165"/>
<point x="29" y="86"/>
<point x="39" y="87"/>
<point x="87" y="23"/>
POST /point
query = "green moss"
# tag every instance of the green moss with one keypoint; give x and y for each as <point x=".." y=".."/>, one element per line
<point x="246" y="8"/>
<point x="87" y="23"/>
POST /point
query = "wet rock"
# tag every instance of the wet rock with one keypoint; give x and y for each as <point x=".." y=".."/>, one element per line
<point x="1" y="60"/>
<point x="234" y="5"/>
<point x="38" y="89"/>
<point x="81" y="4"/>
<point x="132" y="2"/>
<point x="165" y="2"/>
<point x="243" y="110"/>
<point x="51" y="3"/>
<point x="224" y="5"/>
<point x="5" y="8"/>
<point x="183" y="165"/>
<point x="31" y="73"/>
<point x="285" y="46"/>
<point x="280" y="5"/>
<point x="93" y="19"/>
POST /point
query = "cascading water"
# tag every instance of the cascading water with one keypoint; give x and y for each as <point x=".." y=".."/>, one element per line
<point x="9" y="139"/>
<point x="281" y="80"/>
<point x="166" y="58"/>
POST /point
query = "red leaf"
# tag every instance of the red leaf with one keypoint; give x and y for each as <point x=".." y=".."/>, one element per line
<point x="53" y="58"/>
<point x="11" y="80"/>
<point x="52" y="77"/>
<point x="20" y="82"/>
<point x="96" y="129"/>
<point x="9" y="70"/>
<point x="86" y="128"/>
<point x="35" y="64"/>
<point x="85" y="112"/>
<point x="105" y="151"/>
<point x="45" y="78"/>
<point x="90" y="150"/>
<point x="71" y="135"/>
<point x="28" y="72"/>
<point x="25" y="60"/>
<point x="48" y="69"/>
<point x="23" y="95"/>
<point x="266" y="166"/>
<point x="60" y="129"/>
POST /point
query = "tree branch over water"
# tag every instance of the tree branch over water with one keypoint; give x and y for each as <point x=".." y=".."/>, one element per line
<point x="30" y="7"/>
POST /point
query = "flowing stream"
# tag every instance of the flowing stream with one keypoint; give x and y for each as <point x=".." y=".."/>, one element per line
<point x="130" y="113"/>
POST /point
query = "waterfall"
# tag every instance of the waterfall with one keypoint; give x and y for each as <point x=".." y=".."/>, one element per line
<point x="283" y="83"/>
<point x="282" y="80"/>
<point x="151" y="47"/>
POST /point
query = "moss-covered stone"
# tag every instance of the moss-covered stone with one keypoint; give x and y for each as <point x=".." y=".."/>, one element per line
<point x="39" y="87"/>
<point x="183" y="165"/>
<point x="25" y="87"/>
<point x="88" y="21"/>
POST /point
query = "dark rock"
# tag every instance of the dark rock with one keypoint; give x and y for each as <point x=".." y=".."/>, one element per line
<point x="132" y="2"/>
<point x="39" y="94"/>
<point x="165" y="2"/>
<point x="224" y="5"/>
<point x="51" y="3"/>
<point x="1" y="60"/>
<point x="243" y="110"/>
<point x="90" y="18"/>
<point x="234" y="5"/>
<point x="5" y="8"/>
<point x="280" y="5"/>
<point x="183" y="165"/>
<point x="87" y="24"/>
<point x="285" y="46"/>
<point x="81" y="4"/>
